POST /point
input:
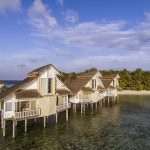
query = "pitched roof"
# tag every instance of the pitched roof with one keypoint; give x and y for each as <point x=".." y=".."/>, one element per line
<point x="38" y="70"/>
<point x="63" y="92"/>
<point x="75" y="85"/>
<point x="112" y="76"/>
<point x="16" y="87"/>
<point x="87" y="74"/>
<point x="100" y="87"/>
<point x="1" y="82"/>
<point x="106" y="82"/>
<point x="87" y="89"/>
<point x="31" y="93"/>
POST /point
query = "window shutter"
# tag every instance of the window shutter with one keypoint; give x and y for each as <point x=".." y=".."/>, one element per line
<point x="44" y="86"/>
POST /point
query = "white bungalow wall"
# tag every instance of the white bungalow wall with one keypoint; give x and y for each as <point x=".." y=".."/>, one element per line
<point x="40" y="103"/>
<point x="98" y="80"/>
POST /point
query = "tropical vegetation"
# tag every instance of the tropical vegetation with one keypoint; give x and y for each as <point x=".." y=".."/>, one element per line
<point x="129" y="80"/>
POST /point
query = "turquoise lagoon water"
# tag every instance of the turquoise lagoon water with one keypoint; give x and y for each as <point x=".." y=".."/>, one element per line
<point x="121" y="126"/>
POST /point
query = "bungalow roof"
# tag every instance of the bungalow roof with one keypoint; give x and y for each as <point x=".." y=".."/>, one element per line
<point x="31" y="93"/>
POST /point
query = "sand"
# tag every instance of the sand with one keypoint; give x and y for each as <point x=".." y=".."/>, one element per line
<point x="130" y="92"/>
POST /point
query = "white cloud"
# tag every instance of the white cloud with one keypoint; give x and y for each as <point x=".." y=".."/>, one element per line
<point x="61" y="52"/>
<point x="9" y="5"/>
<point x="40" y="17"/>
<point x="96" y="38"/>
<point x="113" y="35"/>
<point x="112" y="61"/>
<point x="61" y="2"/>
<point x="71" y="16"/>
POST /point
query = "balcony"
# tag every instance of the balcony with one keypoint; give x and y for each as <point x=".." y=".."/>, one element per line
<point x="27" y="114"/>
<point x="63" y="107"/>
<point x="85" y="100"/>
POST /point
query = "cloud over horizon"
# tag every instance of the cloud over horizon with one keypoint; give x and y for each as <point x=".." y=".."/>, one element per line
<point x="74" y="44"/>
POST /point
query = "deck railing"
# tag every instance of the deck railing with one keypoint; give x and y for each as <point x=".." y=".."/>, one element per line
<point x="63" y="107"/>
<point x="26" y="114"/>
<point x="85" y="100"/>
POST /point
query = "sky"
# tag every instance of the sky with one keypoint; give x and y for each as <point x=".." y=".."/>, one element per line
<point x="73" y="35"/>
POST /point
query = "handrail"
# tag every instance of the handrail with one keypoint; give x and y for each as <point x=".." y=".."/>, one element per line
<point x="63" y="107"/>
<point x="26" y="114"/>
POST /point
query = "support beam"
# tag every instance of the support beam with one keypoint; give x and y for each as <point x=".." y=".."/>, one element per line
<point x="101" y="102"/>
<point x="84" y="106"/>
<point x="108" y="101"/>
<point x="25" y="125"/>
<point x="56" y="117"/>
<point x="67" y="115"/>
<point x="2" y="123"/>
<point x="81" y="108"/>
<point x="92" y="106"/>
<point x="4" y="126"/>
<point x="75" y="108"/>
<point x="96" y="105"/>
<point x="44" y="121"/>
<point x="14" y="126"/>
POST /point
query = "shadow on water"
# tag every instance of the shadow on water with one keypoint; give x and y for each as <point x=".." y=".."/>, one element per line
<point x="121" y="126"/>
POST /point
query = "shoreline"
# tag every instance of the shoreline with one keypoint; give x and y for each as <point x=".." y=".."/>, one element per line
<point x="130" y="92"/>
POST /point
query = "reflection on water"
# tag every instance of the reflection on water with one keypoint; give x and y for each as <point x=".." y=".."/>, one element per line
<point x="125" y="125"/>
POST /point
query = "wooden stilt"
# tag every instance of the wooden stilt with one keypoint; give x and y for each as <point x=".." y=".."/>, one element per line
<point x="67" y="115"/>
<point x="81" y="108"/>
<point x="84" y="106"/>
<point x="14" y="125"/>
<point x="2" y="122"/>
<point x="44" y="121"/>
<point x="108" y="101"/>
<point x="101" y="102"/>
<point x="4" y="126"/>
<point x="96" y="105"/>
<point x="56" y="117"/>
<point x="75" y="108"/>
<point x="25" y="125"/>
<point x="92" y="106"/>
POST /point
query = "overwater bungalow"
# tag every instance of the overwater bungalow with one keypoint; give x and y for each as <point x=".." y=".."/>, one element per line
<point x="87" y="88"/>
<point x="39" y="95"/>
<point x="42" y="94"/>
<point x="111" y="84"/>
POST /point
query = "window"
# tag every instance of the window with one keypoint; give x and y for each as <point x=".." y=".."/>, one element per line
<point x="44" y="86"/>
<point x="49" y="85"/>
<point x="17" y="106"/>
<point x="65" y="99"/>
<point x="60" y="100"/>
<point x="8" y="106"/>
<point x="25" y="105"/>
<point x="33" y="105"/>
<point x="113" y="83"/>
<point x="93" y="83"/>
<point x="93" y="86"/>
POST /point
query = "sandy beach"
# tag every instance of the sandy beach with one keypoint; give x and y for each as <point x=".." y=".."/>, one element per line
<point x="130" y="92"/>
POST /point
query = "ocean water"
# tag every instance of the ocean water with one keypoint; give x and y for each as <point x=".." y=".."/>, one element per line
<point x="121" y="126"/>
<point x="10" y="83"/>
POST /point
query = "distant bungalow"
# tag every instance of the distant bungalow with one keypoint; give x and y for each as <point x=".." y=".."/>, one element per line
<point x="43" y="94"/>
<point x="2" y="85"/>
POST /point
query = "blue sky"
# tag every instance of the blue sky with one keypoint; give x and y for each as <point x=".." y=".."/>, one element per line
<point x="73" y="35"/>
